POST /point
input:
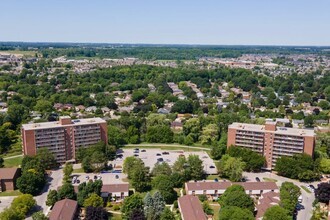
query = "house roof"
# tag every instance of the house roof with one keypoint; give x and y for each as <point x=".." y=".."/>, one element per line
<point x="64" y="210"/>
<point x="8" y="173"/>
<point x="113" y="188"/>
<point x="194" y="186"/>
<point x="190" y="208"/>
<point x="266" y="201"/>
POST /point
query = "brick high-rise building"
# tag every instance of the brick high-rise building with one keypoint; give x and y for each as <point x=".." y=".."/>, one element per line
<point x="63" y="137"/>
<point x="271" y="141"/>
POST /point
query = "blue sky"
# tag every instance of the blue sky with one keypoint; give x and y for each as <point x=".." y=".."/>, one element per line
<point x="221" y="22"/>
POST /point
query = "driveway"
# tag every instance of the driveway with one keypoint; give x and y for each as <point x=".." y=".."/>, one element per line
<point x="53" y="182"/>
<point x="308" y="198"/>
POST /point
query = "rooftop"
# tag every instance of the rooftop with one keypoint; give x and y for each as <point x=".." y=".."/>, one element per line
<point x="190" y="208"/>
<point x="64" y="210"/>
<point x="279" y="130"/>
<point x="8" y="173"/>
<point x="57" y="124"/>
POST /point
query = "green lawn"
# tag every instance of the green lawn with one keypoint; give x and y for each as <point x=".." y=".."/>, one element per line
<point x="216" y="209"/>
<point x="213" y="177"/>
<point x="13" y="162"/>
<point x="11" y="193"/>
<point x="305" y="188"/>
<point x="79" y="170"/>
<point x="269" y="179"/>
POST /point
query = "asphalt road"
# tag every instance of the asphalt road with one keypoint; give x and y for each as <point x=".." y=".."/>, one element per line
<point x="308" y="198"/>
<point x="54" y="181"/>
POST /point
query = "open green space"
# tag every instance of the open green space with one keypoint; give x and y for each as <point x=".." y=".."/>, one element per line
<point x="79" y="170"/>
<point x="266" y="179"/>
<point x="10" y="193"/>
<point x="13" y="162"/>
<point x="305" y="188"/>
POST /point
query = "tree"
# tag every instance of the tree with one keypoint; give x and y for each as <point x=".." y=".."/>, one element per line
<point x="183" y="106"/>
<point x="140" y="179"/>
<point x="209" y="134"/>
<point x="276" y="213"/>
<point x="1" y="162"/>
<point x="165" y="186"/>
<point x="17" y="113"/>
<point x="158" y="204"/>
<point x="253" y="161"/>
<point x="309" y="121"/>
<point x="94" y="200"/>
<point x="67" y="171"/>
<point x="324" y="165"/>
<point x="218" y="151"/>
<point x="289" y="194"/>
<point x="10" y="214"/>
<point x="23" y="204"/>
<point x="96" y="213"/>
<point x="235" y="196"/>
<point x="66" y="191"/>
<point x="159" y="134"/>
<point x="167" y="214"/>
<point x="322" y="193"/>
<point x="31" y="182"/>
<point x="137" y="214"/>
<point x="86" y="164"/>
<point x="148" y="207"/>
<point x="130" y="163"/>
<point x="86" y="189"/>
<point x="46" y="158"/>
<point x="235" y="213"/>
<point x="131" y="203"/>
<point x="195" y="167"/>
<point x="207" y="209"/>
<point x="231" y="167"/>
<point x="132" y="135"/>
<point x="39" y="216"/>
<point x="161" y="168"/>
<point x="52" y="198"/>
<point x="43" y="106"/>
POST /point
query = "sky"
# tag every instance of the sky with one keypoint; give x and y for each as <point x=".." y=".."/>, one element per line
<point x="211" y="22"/>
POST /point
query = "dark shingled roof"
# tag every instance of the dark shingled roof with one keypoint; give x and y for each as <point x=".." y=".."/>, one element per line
<point x="64" y="210"/>
<point x="191" y="208"/>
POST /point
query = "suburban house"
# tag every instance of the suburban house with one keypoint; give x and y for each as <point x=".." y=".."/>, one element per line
<point x="266" y="201"/>
<point x="215" y="189"/>
<point x="118" y="192"/>
<point x="191" y="208"/>
<point x="8" y="177"/>
<point x="66" y="209"/>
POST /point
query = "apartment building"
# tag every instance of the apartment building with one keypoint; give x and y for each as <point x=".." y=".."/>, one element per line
<point x="63" y="137"/>
<point x="271" y="141"/>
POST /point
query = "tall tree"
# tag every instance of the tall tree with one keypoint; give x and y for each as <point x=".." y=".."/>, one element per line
<point x="276" y="213"/>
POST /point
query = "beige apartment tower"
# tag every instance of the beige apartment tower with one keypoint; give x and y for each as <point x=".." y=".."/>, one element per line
<point x="271" y="141"/>
<point x="63" y="137"/>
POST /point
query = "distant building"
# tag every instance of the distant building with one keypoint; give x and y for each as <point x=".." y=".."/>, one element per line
<point x="271" y="141"/>
<point x="8" y="177"/>
<point x="65" y="209"/>
<point x="64" y="137"/>
<point x="191" y="208"/>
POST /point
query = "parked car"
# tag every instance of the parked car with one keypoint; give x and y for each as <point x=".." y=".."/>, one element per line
<point x="257" y="179"/>
<point x="165" y="153"/>
<point x="78" y="181"/>
<point x="160" y="159"/>
<point x="136" y="155"/>
<point x="212" y="167"/>
<point x="143" y="150"/>
<point x="117" y="177"/>
<point x="158" y="154"/>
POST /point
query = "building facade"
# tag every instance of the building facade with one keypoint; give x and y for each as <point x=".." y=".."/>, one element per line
<point x="63" y="137"/>
<point x="8" y="177"/>
<point x="271" y="141"/>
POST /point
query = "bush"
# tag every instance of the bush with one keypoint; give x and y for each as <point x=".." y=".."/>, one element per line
<point x="116" y="207"/>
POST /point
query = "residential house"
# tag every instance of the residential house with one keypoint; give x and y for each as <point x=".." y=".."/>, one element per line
<point x="90" y="109"/>
<point x="80" y="108"/>
<point x="117" y="192"/>
<point x="266" y="201"/>
<point x="191" y="208"/>
<point x="65" y="209"/>
<point x="8" y="177"/>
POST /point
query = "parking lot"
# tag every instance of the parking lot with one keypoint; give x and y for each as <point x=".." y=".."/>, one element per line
<point x="107" y="178"/>
<point x="152" y="156"/>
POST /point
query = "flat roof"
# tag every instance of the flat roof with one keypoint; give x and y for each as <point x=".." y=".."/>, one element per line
<point x="208" y="185"/>
<point x="56" y="124"/>
<point x="279" y="130"/>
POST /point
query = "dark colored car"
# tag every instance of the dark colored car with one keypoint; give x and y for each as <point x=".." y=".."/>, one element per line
<point x="257" y="179"/>
<point x="160" y="159"/>
<point x="78" y="181"/>
<point x="117" y="177"/>
<point x="165" y="153"/>
<point x="311" y="186"/>
<point x="158" y="154"/>
<point x="212" y="167"/>
<point x="136" y="155"/>
<point x="137" y="149"/>
<point x="143" y="150"/>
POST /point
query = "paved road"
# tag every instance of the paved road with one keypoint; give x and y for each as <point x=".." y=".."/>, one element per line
<point x="54" y="181"/>
<point x="167" y="145"/>
<point x="20" y="155"/>
<point x="308" y="198"/>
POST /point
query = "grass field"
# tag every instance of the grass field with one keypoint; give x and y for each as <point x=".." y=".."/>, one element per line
<point x="10" y="193"/>
<point x="269" y="179"/>
<point x="28" y="53"/>
<point x="216" y="207"/>
<point x="305" y="188"/>
<point x="79" y="170"/>
<point x="13" y="162"/>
